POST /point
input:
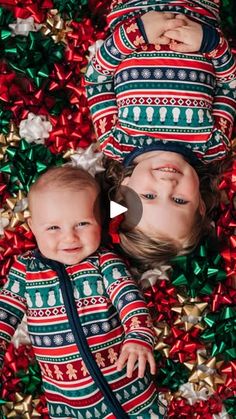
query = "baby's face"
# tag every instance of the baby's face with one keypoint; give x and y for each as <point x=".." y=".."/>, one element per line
<point x="168" y="187"/>
<point x="64" y="223"/>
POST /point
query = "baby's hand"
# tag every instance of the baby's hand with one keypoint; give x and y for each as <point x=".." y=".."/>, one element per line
<point x="156" y="23"/>
<point x="188" y="36"/>
<point x="130" y="354"/>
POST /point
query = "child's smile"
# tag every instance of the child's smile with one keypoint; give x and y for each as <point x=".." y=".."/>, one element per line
<point x="64" y="224"/>
<point x="169" y="189"/>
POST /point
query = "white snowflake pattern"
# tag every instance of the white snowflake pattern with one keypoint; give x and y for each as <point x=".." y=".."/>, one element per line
<point x="202" y="77"/>
<point x="12" y="320"/>
<point x="158" y="74"/>
<point x="70" y="338"/>
<point x="120" y="305"/>
<point x="170" y="74"/>
<point x="105" y="326"/>
<point x="114" y="322"/>
<point x="146" y="73"/>
<point x="125" y="75"/>
<point x="118" y="79"/>
<point x="130" y="296"/>
<point x="47" y="341"/>
<point x="94" y="329"/>
<point x="114" y="51"/>
<point x="182" y="74"/>
<point x="134" y="74"/>
<point x="193" y="75"/>
<point x="85" y="331"/>
<point x="58" y="340"/>
<point x="38" y="340"/>
<point x="3" y="315"/>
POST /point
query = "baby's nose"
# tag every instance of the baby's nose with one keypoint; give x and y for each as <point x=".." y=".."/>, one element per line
<point x="71" y="235"/>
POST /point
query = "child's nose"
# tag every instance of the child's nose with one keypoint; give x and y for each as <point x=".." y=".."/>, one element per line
<point x="71" y="235"/>
<point x="169" y="180"/>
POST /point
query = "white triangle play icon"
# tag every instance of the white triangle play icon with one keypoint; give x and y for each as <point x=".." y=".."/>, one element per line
<point x="116" y="209"/>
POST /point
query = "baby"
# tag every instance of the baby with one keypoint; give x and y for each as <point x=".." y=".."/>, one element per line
<point x="161" y="90"/>
<point x="65" y="219"/>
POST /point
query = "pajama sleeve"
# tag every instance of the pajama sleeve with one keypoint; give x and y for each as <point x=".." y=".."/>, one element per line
<point x="99" y="82"/>
<point x="224" y="105"/>
<point x="12" y="304"/>
<point x="128" y="301"/>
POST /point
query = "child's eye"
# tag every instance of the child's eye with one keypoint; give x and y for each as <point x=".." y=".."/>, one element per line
<point x="179" y="201"/>
<point x="83" y="223"/>
<point x="53" y="228"/>
<point x="149" y="196"/>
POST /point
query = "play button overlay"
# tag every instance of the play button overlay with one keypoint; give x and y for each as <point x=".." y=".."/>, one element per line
<point x="128" y="203"/>
<point x="116" y="209"/>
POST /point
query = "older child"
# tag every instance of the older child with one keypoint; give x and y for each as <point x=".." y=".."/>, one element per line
<point x="65" y="220"/>
<point x="161" y="90"/>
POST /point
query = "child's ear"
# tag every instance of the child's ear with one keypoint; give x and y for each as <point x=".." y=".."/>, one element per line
<point x="125" y="181"/>
<point x="202" y="207"/>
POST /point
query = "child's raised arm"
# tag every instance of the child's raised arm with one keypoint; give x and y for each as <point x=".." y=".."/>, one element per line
<point x="193" y="37"/>
<point x="99" y="79"/>
<point x="99" y="75"/>
<point x="127" y="38"/>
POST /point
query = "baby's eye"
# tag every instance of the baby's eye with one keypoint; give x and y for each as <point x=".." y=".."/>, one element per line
<point x="149" y="196"/>
<point x="53" y="228"/>
<point x="83" y="223"/>
<point x="179" y="201"/>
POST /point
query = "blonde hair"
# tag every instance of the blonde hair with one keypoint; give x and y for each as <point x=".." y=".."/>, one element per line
<point x="64" y="177"/>
<point x="150" y="252"/>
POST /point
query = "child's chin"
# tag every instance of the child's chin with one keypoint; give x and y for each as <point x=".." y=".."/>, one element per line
<point x="70" y="259"/>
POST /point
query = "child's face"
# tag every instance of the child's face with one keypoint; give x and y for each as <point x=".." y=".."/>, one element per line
<point x="168" y="187"/>
<point x="64" y="223"/>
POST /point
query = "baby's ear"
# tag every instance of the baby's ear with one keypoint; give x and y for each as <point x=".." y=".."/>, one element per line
<point x="125" y="181"/>
<point x="202" y="207"/>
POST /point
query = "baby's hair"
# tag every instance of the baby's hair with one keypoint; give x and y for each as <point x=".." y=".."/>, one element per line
<point x="148" y="252"/>
<point x="63" y="177"/>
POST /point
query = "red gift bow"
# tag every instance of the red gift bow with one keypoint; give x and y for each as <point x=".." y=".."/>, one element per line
<point x="114" y="228"/>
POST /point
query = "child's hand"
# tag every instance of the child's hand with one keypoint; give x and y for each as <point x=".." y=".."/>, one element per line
<point x="156" y="23"/>
<point x="130" y="354"/>
<point x="188" y="36"/>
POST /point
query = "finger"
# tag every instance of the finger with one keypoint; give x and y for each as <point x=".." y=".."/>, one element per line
<point x="182" y="17"/>
<point x="141" y="366"/>
<point x="163" y="40"/>
<point x="130" y="365"/>
<point x="152" y="363"/>
<point x="121" y="360"/>
<point x="174" y="24"/>
<point x="176" y="35"/>
<point x="169" y="15"/>
<point x="181" y="47"/>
